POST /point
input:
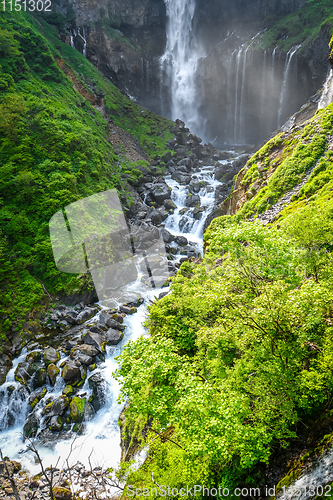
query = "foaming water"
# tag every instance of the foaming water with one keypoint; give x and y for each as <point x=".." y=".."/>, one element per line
<point x="180" y="60"/>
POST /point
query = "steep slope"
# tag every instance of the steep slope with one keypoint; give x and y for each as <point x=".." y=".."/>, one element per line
<point x="62" y="138"/>
<point x="235" y="379"/>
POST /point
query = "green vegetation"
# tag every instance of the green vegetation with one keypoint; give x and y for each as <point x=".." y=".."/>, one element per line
<point x="54" y="150"/>
<point x="283" y="162"/>
<point x="301" y="26"/>
<point x="239" y="352"/>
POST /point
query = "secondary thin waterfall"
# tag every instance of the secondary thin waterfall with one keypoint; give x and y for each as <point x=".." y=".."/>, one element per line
<point x="179" y="62"/>
<point x="327" y="94"/>
<point x="286" y="73"/>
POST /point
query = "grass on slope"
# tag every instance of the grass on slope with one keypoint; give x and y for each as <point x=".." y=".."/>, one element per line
<point x="54" y="150"/>
<point x="301" y="26"/>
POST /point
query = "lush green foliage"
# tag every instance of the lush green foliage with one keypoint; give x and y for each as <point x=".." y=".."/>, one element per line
<point x="54" y="150"/>
<point x="239" y="351"/>
<point x="283" y="162"/>
<point x="301" y="26"/>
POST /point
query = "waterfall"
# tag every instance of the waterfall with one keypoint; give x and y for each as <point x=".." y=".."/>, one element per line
<point x="327" y="93"/>
<point x="286" y="73"/>
<point x="83" y="37"/>
<point x="236" y="125"/>
<point x="180" y="60"/>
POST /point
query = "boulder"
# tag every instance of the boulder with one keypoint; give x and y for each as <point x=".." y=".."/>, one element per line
<point x="68" y="391"/>
<point x="181" y="241"/>
<point x="154" y="216"/>
<point x="160" y="192"/>
<point x="192" y="200"/>
<point x="71" y="371"/>
<point x="112" y="323"/>
<point x="94" y="339"/>
<point x="167" y="237"/>
<point x="39" y="378"/>
<point x="77" y="406"/>
<point x="128" y="310"/>
<point x="50" y="356"/>
<point x="169" y="205"/>
<point x="86" y="314"/>
<point x="61" y="493"/>
<point x="113" y="337"/>
<point x="56" y="423"/>
<point x="98" y="387"/>
<point x="30" y="426"/>
<point x="33" y="357"/>
<point x="59" y="405"/>
<point x="88" y="350"/>
<point x="52" y="371"/>
<point x="21" y="372"/>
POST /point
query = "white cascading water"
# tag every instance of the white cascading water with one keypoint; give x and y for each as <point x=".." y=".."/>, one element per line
<point x="327" y="94"/>
<point x="100" y="442"/>
<point x="286" y="74"/>
<point x="180" y="60"/>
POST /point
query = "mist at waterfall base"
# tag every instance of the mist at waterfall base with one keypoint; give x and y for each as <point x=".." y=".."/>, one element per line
<point x="234" y="93"/>
<point x="100" y="442"/>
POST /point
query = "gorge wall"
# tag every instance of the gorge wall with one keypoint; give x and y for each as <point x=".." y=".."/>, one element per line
<point x="243" y="86"/>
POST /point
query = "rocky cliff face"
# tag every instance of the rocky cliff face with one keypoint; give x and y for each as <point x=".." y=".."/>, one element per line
<point x="239" y="84"/>
<point x="123" y="39"/>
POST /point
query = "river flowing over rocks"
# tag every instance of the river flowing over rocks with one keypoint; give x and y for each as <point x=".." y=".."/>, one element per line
<point x="60" y="387"/>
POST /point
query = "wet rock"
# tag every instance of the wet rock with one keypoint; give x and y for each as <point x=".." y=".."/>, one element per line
<point x="71" y="317"/>
<point x="169" y="205"/>
<point x="21" y="372"/>
<point x="154" y="216"/>
<point x="12" y="466"/>
<point x="71" y="371"/>
<point x="39" y="378"/>
<point x="68" y="390"/>
<point x="192" y="200"/>
<point x="113" y="337"/>
<point x="53" y="371"/>
<point x="77" y="406"/>
<point x="36" y="396"/>
<point x="198" y="212"/>
<point x="50" y="356"/>
<point x="112" y="323"/>
<point x="88" y="350"/>
<point x="61" y="493"/>
<point x="189" y="251"/>
<point x="5" y="364"/>
<point x="98" y="387"/>
<point x="33" y="357"/>
<point x="167" y="237"/>
<point x="160" y="192"/>
<point x="96" y="329"/>
<point x="56" y="423"/>
<point x="69" y="345"/>
<point x="132" y="299"/>
<point x="128" y="310"/>
<point x="181" y="241"/>
<point x="59" y="405"/>
<point x="86" y="314"/>
<point x="30" y="426"/>
<point x="95" y="340"/>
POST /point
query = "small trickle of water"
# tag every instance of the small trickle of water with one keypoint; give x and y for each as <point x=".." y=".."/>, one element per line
<point x="286" y="75"/>
<point x="327" y="94"/>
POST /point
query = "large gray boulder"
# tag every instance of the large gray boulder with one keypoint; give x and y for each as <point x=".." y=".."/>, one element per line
<point x="71" y="372"/>
<point x="94" y="339"/>
<point x="160" y="192"/>
<point x="98" y="387"/>
<point x="113" y="337"/>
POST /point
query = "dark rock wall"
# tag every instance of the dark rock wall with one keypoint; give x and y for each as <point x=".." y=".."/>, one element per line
<point x="125" y="39"/>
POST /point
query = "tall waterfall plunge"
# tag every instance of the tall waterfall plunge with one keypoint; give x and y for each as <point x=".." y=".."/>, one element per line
<point x="234" y="91"/>
<point x="179" y="63"/>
